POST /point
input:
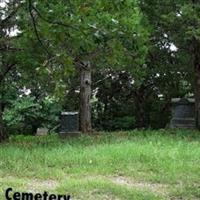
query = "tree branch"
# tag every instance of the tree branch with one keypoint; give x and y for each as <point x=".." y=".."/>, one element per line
<point x="8" y="69"/>
<point x="13" y="13"/>
<point x="30" y="7"/>
<point x="10" y="49"/>
<point x="58" y="23"/>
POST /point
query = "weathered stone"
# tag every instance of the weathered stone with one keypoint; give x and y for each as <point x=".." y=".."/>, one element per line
<point x="42" y="131"/>
<point x="69" y="124"/>
<point x="183" y="113"/>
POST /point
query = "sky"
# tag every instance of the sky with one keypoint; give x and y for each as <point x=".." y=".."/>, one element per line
<point x="2" y="3"/>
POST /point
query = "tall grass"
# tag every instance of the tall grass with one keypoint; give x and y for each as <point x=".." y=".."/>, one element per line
<point x="170" y="158"/>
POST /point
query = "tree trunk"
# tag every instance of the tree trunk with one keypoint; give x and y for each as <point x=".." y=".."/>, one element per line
<point x="85" y="96"/>
<point x="141" y="122"/>
<point x="196" y="53"/>
<point x="3" y="134"/>
<point x="197" y="91"/>
<point x="140" y="110"/>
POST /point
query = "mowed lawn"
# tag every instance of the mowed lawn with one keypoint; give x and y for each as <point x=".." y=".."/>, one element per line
<point x="133" y="165"/>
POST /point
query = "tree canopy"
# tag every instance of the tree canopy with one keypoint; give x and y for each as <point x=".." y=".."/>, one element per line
<point x="141" y="53"/>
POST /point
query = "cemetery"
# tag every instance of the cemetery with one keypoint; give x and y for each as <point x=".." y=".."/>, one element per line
<point x="99" y="100"/>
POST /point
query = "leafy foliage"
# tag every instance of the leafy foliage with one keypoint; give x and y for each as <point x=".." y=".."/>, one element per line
<point x="26" y="114"/>
<point x="142" y="54"/>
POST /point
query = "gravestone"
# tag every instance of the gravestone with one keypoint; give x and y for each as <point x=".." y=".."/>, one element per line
<point x="69" y="124"/>
<point x="183" y="113"/>
<point x="42" y="131"/>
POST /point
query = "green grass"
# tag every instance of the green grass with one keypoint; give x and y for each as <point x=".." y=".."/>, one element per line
<point x="139" y="165"/>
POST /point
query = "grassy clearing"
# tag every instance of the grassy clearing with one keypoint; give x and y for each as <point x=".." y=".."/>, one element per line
<point x="139" y="165"/>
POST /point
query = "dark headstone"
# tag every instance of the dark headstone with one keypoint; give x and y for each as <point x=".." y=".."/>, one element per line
<point x="183" y="113"/>
<point x="69" y="124"/>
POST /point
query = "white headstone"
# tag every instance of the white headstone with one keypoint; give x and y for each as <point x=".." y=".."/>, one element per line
<point x="42" y="131"/>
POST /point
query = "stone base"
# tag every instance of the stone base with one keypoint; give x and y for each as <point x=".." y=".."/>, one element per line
<point x="64" y="135"/>
<point x="188" y="123"/>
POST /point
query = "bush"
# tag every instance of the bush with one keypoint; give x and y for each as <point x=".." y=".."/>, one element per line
<point x="26" y="114"/>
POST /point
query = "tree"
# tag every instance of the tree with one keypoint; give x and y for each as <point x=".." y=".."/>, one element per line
<point x="97" y="32"/>
<point x="7" y="49"/>
<point x="21" y="59"/>
<point x="195" y="34"/>
<point x="185" y="19"/>
<point x="170" y="56"/>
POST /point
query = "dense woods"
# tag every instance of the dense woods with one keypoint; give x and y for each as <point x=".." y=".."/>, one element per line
<point x="117" y="62"/>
